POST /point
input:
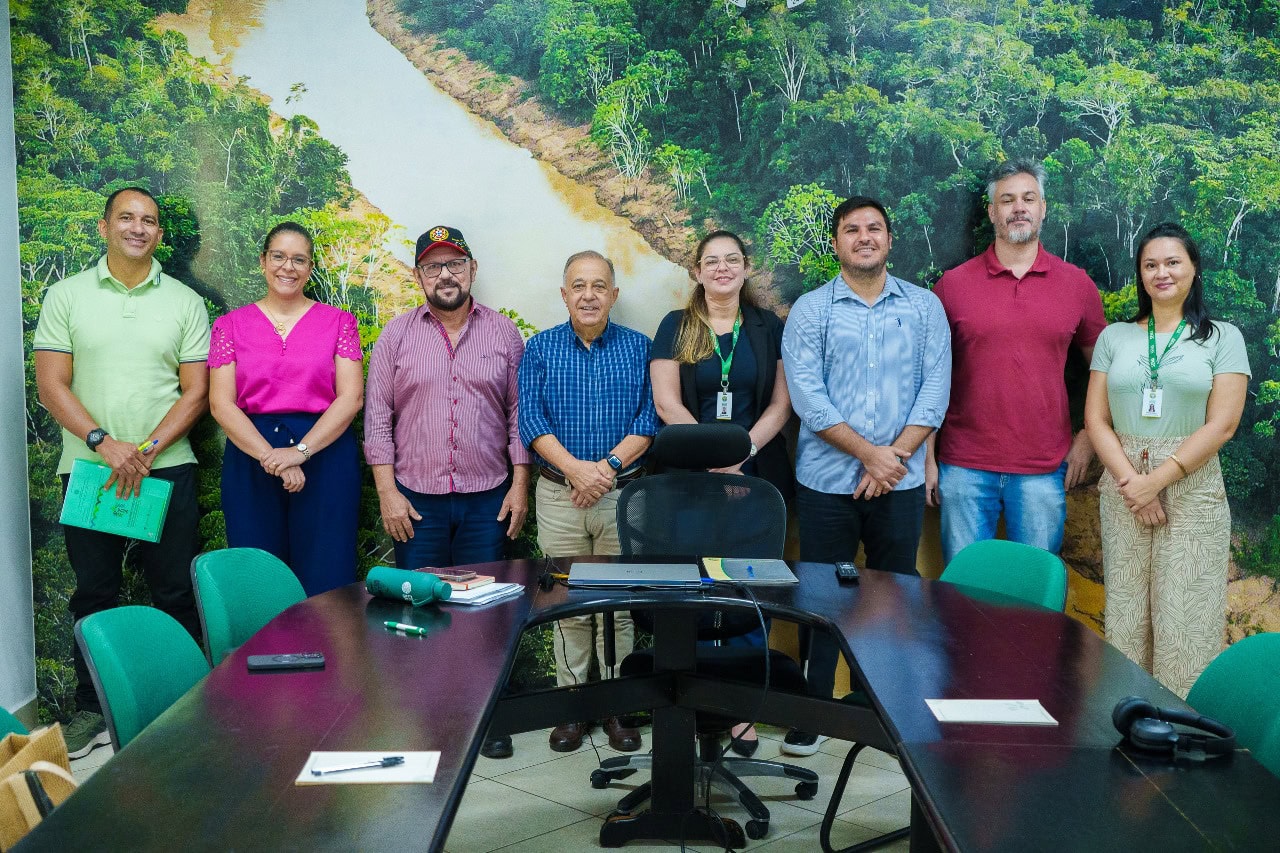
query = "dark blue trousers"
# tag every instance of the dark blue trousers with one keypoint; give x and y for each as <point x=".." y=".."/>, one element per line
<point x="456" y="529"/>
<point x="313" y="530"/>
<point x="831" y="528"/>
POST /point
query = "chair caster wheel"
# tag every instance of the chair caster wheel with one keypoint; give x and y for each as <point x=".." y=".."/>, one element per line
<point x="599" y="779"/>
<point x="757" y="828"/>
<point x="806" y="790"/>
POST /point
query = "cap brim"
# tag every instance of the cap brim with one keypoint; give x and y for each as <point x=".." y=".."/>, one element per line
<point x="437" y="243"/>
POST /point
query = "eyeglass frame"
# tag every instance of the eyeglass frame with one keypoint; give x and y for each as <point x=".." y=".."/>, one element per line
<point x="441" y="266"/>
<point x="279" y="259"/>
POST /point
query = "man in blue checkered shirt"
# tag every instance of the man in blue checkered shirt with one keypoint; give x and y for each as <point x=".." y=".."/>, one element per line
<point x="586" y="412"/>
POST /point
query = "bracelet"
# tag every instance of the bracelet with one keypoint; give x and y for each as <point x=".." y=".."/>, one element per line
<point x="1178" y="462"/>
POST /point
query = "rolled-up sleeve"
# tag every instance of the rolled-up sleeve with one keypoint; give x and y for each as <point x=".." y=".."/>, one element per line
<point x="516" y="450"/>
<point x="532" y="414"/>
<point x="802" y="363"/>
<point x="379" y="437"/>
<point x="935" y="387"/>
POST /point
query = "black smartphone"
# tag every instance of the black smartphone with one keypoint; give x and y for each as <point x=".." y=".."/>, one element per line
<point x="300" y="660"/>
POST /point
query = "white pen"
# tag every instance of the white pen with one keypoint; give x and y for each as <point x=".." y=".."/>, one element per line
<point x="389" y="761"/>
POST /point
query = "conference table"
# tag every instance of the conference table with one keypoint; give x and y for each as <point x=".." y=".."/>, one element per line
<point x="217" y="770"/>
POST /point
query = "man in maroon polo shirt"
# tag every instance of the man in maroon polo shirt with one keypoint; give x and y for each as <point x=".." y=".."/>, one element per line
<point x="1015" y="310"/>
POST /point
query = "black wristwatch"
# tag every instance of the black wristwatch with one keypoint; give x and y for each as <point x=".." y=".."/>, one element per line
<point x="614" y="462"/>
<point x="95" y="437"/>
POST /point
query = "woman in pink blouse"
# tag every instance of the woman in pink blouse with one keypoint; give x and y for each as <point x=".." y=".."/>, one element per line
<point x="285" y="383"/>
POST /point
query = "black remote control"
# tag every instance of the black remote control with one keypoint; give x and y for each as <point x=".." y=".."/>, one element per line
<point x="304" y="660"/>
<point x="847" y="572"/>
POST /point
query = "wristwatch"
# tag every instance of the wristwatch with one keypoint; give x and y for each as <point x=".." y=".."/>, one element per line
<point x="95" y="438"/>
<point x="614" y="462"/>
<point x="754" y="451"/>
<point x="304" y="450"/>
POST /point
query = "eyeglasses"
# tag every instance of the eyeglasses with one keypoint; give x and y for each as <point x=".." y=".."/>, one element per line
<point x="731" y="261"/>
<point x="279" y="259"/>
<point x="455" y="266"/>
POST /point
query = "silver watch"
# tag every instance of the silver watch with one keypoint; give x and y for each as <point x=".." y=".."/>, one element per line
<point x="304" y="450"/>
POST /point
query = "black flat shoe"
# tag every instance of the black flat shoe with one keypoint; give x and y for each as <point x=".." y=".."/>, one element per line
<point x="497" y="747"/>
<point x="745" y="748"/>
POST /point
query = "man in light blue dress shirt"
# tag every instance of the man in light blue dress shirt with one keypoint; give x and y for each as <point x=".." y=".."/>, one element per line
<point x="868" y="364"/>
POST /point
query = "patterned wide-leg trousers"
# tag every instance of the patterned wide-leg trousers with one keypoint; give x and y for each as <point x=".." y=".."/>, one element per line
<point x="1166" y="586"/>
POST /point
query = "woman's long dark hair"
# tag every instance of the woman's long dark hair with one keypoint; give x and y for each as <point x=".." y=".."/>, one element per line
<point x="1193" y="309"/>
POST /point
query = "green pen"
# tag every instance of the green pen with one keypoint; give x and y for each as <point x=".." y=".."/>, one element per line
<point x="408" y="629"/>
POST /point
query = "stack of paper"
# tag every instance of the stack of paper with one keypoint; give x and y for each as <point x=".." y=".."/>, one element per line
<point x="486" y="594"/>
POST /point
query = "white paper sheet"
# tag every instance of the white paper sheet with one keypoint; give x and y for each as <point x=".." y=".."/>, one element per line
<point x="418" y="767"/>
<point x="1006" y="712"/>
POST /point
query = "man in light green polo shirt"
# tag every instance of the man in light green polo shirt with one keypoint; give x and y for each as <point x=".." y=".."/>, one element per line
<point x="120" y="354"/>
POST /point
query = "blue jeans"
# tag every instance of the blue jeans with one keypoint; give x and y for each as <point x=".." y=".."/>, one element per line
<point x="455" y="530"/>
<point x="832" y="527"/>
<point x="1034" y="506"/>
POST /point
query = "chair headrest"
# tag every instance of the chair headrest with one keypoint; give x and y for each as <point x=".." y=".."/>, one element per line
<point x="694" y="446"/>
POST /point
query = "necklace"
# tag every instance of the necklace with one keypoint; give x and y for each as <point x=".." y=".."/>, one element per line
<point x="276" y="324"/>
<point x="279" y="326"/>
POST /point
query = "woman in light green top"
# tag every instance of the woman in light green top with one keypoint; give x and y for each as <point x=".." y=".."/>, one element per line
<point x="1165" y="393"/>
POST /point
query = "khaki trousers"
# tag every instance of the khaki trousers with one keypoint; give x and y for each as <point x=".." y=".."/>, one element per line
<point x="1166" y="586"/>
<point x="564" y="530"/>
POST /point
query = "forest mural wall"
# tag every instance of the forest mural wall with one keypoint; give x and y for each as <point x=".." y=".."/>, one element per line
<point x="675" y="114"/>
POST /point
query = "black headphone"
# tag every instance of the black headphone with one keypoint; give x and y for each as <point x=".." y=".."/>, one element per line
<point x="1150" y="730"/>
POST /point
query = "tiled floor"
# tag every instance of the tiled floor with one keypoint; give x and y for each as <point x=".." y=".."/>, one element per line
<point x="539" y="801"/>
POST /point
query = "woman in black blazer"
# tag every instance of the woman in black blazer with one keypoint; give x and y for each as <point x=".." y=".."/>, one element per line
<point x="720" y="359"/>
<point x="721" y="342"/>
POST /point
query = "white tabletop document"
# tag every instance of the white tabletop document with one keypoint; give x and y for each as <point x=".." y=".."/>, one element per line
<point x="344" y="768"/>
<point x="1006" y="712"/>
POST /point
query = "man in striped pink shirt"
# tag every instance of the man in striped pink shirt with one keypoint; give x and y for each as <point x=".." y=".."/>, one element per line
<point x="440" y="421"/>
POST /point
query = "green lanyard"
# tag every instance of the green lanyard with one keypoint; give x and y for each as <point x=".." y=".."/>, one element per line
<point x="1152" y="361"/>
<point x="726" y="363"/>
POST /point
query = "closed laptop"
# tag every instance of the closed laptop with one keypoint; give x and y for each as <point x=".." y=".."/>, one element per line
<point x="634" y="574"/>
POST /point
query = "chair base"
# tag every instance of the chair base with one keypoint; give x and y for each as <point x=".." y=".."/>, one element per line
<point x="828" y="819"/>
<point x="726" y="777"/>
<point x="620" y="828"/>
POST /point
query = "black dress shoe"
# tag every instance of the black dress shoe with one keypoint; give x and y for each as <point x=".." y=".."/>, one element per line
<point x="497" y="747"/>
<point x="567" y="737"/>
<point x="621" y="738"/>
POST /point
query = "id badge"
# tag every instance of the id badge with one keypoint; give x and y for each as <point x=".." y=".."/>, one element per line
<point x="1151" y="401"/>
<point x="724" y="405"/>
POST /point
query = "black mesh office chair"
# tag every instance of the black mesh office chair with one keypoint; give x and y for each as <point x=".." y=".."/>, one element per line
<point x="727" y="515"/>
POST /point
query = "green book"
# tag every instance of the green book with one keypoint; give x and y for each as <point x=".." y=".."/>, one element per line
<point x="88" y="505"/>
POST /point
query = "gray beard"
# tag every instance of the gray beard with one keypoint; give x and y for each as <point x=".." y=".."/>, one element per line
<point x="1020" y="234"/>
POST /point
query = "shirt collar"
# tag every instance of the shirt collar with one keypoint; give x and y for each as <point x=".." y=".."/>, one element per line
<point x="105" y="276"/>
<point x="892" y="287"/>
<point x="1039" y="266"/>
<point x="427" y="315"/>
<point x="603" y="340"/>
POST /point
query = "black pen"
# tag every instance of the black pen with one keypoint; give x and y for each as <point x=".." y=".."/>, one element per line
<point x="389" y="761"/>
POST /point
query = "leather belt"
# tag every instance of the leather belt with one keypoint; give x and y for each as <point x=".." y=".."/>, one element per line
<point x="622" y="479"/>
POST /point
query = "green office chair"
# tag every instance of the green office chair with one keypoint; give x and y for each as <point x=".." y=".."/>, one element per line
<point x="1241" y="689"/>
<point x="9" y="724"/>
<point x="141" y="661"/>
<point x="238" y="590"/>
<point x="1031" y="575"/>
